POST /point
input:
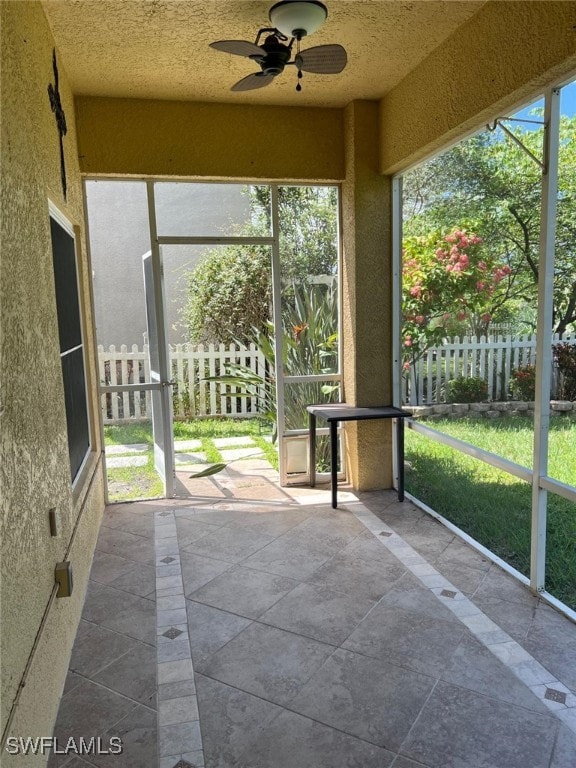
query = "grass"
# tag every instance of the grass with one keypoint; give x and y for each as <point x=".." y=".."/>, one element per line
<point x="128" y="483"/>
<point x="492" y="506"/>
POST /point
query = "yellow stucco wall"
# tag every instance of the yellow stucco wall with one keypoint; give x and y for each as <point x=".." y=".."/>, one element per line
<point x="218" y="141"/>
<point x="501" y="56"/>
<point x="35" y="469"/>
<point x="367" y="296"/>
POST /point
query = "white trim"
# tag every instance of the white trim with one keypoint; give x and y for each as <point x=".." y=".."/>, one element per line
<point x="212" y="240"/>
<point x="543" y="335"/>
<point x="56" y="214"/>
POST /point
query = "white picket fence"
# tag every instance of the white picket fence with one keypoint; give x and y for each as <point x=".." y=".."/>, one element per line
<point x="193" y="397"/>
<point x="490" y="358"/>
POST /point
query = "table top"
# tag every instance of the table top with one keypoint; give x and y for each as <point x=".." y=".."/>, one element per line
<point x="345" y="412"/>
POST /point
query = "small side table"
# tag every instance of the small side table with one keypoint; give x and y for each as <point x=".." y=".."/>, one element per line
<point x="344" y="412"/>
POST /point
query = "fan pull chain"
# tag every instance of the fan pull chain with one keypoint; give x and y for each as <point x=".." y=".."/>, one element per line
<point x="298" y="85"/>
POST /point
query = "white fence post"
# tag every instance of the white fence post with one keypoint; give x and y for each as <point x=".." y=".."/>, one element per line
<point x="493" y="359"/>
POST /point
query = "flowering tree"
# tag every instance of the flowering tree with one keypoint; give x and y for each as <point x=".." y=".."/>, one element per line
<point x="447" y="278"/>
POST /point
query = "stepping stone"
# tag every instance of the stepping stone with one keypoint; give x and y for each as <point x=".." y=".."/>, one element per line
<point x="241" y="453"/>
<point x="118" y="462"/>
<point x="112" y="450"/>
<point x="187" y="445"/>
<point x="224" y="442"/>
<point x="190" y="458"/>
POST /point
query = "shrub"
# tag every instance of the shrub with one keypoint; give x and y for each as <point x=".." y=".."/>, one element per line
<point x="466" y="389"/>
<point x="565" y="358"/>
<point x="523" y="383"/>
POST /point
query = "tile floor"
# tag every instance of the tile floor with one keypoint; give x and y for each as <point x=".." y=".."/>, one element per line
<point x="257" y="628"/>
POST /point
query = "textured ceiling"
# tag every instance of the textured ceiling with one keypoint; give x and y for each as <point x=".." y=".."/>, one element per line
<point x="158" y="49"/>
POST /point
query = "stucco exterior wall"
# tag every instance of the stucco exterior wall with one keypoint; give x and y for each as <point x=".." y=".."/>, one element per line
<point x="35" y="469"/>
<point x="501" y="56"/>
<point x="218" y="141"/>
<point x="367" y="297"/>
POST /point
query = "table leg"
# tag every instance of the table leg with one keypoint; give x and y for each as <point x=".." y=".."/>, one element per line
<point x="400" y="457"/>
<point x="312" y="449"/>
<point x="334" y="461"/>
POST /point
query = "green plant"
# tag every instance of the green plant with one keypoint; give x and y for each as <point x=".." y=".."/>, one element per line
<point x="565" y="359"/>
<point x="309" y="347"/>
<point x="466" y="389"/>
<point x="523" y="383"/>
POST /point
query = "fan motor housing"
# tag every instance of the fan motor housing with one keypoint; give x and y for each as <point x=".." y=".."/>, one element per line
<point x="277" y="56"/>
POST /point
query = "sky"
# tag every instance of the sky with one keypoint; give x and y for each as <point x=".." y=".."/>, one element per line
<point x="567" y="104"/>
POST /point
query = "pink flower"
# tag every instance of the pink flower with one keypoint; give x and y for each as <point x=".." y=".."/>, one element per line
<point x="416" y="291"/>
<point x="486" y="317"/>
<point x="406" y="366"/>
<point x="461" y="315"/>
<point x="480" y="286"/>
<point x="482" y="266"/>
<point x="464" y="261"/>
<point x="419" y="319"/>
<point x="408" y="341"/>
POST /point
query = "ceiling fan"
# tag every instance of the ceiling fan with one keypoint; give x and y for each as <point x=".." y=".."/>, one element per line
<point x="292" y="20"/>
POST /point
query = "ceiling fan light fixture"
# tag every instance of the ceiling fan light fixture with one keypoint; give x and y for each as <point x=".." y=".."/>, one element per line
<point x="298" y="18"/>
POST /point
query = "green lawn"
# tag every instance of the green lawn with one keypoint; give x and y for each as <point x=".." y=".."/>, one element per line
<point x="143" y="482"/>
<point x="492" y="506"/>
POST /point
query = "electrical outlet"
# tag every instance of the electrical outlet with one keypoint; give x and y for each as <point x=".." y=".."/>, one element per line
<point x="63" y="576"/>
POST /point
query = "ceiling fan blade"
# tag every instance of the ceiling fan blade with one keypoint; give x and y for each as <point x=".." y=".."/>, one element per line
<point x="322" y="59"/>
<point x="256" y="80"/>
<point x="237" y="47"/>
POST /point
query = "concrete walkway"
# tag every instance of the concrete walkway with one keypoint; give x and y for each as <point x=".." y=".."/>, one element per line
<point x="269" y="633"/>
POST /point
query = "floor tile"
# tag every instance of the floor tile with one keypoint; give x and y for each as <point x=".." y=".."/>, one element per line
<point x="96" y="647"/>
<point x="272" y="522"/>
<point x="133" y="675"/>
<point x="370" y="699"/>
<point x="564" y="755"/>
<point x="191" y="530"/>
<point x="318" y="612"/>
<point x="404" y="629"/>
<point x="514" y="618"/>
<point x="138" y="524"/>
<point x="139" y="736"/>
<point x="126" y="545"/>
<point x="363" y="578"/>
<point x="141" y="580"/>
<point x="229" y="544"/>
<point x="292" y="741"/>
<point x="499" y="584"/>
<point x="476" y="668"/>
<point x="210" y="629"/>
<point x="267" y="662"/>
<point x="118" y="610"/>
<point x="231" y="720"/>
<point x="458" y="727"/>
<point x="294" y="558"/>
<point x="198" y="570"/>
<point x="178" y="738"/>
<point x="244" y="591"/>
<point x="89" y="710"/>
<point x="107" y="567"/>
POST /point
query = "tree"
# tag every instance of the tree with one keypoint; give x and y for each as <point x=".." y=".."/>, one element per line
<point x="447" y="278"/>
<point x="229" y="292"/>
<point x="494" y="186"/>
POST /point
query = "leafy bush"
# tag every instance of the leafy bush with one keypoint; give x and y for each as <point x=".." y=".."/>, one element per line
<point x="523" y="383"/>
<point x="466" y="389"/>
<point x="565" y="358"/>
